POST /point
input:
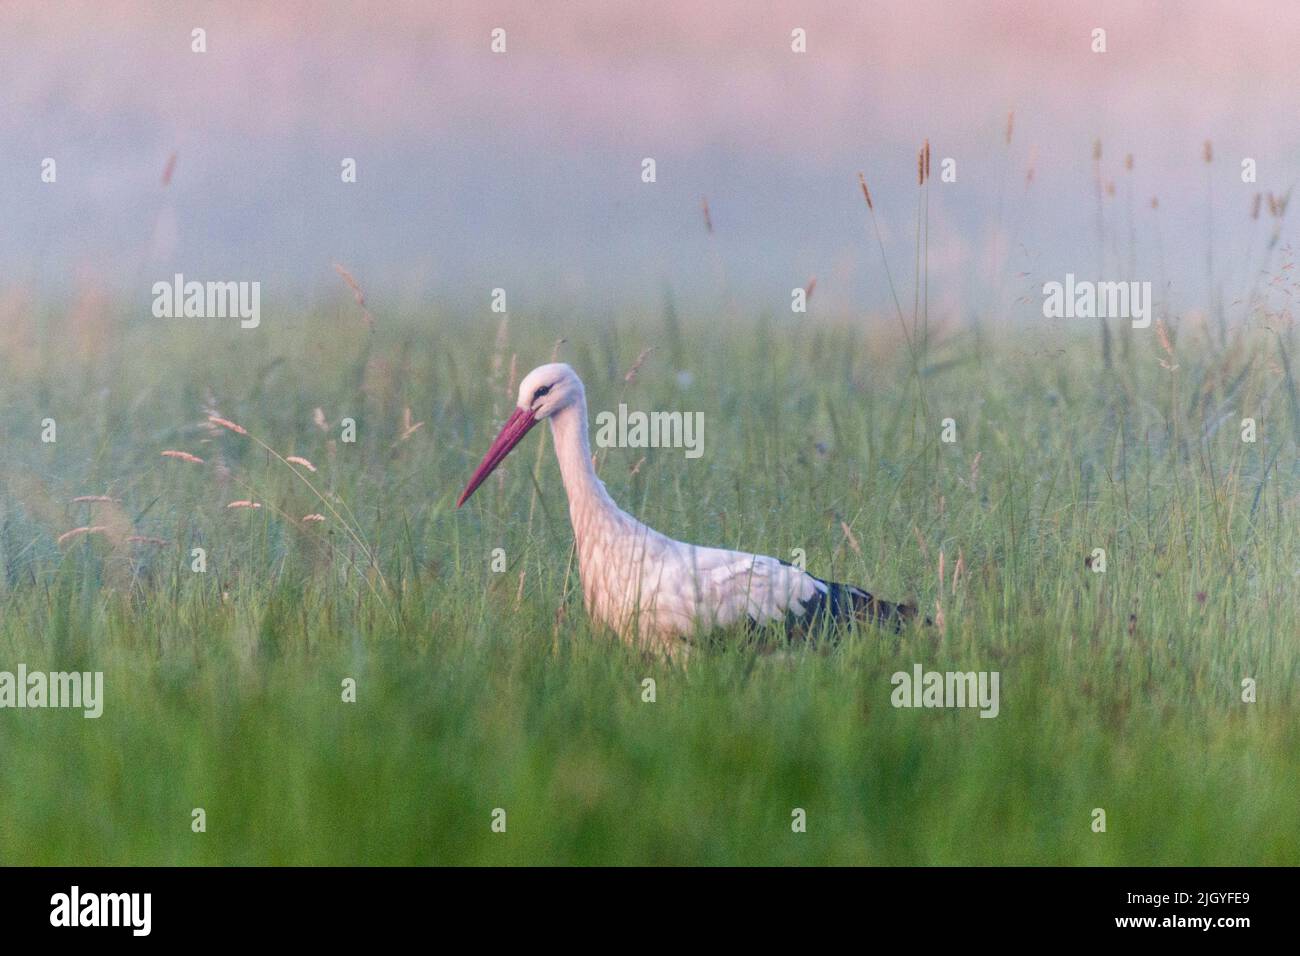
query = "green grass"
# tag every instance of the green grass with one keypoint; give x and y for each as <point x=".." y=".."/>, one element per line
<point x="1119" y="690"/>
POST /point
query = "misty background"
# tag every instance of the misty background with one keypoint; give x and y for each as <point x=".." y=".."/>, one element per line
<point x="522" y="170"/>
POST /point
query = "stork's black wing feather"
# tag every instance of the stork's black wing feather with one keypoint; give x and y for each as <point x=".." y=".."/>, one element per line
<point x="842" y="604"/>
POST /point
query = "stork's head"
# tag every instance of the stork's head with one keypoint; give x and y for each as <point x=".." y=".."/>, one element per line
<point x="548" y="388"/>
<point x="544" y="391"/>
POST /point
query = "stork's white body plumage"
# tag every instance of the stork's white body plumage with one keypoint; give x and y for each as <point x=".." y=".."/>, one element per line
<point x="645" y="586"/>
<point x="639" y="582"/>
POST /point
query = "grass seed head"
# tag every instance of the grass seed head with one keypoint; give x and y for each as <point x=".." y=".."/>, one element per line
<point x="866" y="193"/>
<point x="78" y="532"/>
<point x="182" y="456"/>
<point x="226" y="423"/>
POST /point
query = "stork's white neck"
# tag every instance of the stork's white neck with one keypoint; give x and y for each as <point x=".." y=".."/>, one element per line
<point x="586" y="491"/>
<point x="568" y="429"/>
<point x="610" y="543"/>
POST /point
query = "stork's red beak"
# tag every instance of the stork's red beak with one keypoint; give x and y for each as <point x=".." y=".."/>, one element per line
<point x="516" y="427"/>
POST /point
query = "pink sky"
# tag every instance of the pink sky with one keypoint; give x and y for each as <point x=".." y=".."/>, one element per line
<point x="713" y="91"/>
<point x="684" y="69"/>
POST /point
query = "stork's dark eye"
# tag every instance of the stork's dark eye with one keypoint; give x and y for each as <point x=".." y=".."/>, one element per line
<point x="544" y="390"/>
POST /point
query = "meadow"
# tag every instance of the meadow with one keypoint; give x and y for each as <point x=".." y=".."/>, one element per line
<point x="479" y="689"/>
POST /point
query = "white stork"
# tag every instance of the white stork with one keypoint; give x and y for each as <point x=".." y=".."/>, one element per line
<point x="646" y="586"/>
